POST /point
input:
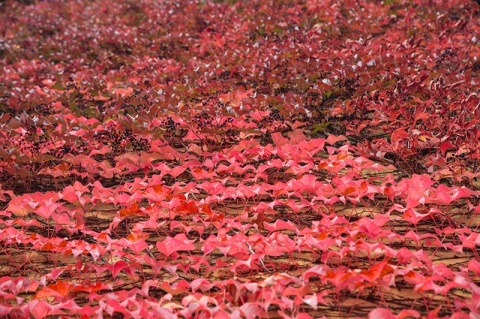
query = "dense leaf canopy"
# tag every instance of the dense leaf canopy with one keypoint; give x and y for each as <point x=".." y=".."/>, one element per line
<point x="239" y="159"/>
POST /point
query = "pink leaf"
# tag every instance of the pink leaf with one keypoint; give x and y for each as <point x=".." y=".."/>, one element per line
<point x="279" y="140"/>
<point x="280" y="225"/>
<point x="332" y="139"/>
<point x="460" y="192"/>
<point x="22" y="206"/>
<point x="412" y="216"/>
<point x="315" y="271"/>
<point x="312" y="301"/>
<point x="406" y="313"/>
<point x="39" y="308"/>
<point x="138" y="246"/>
<point x="252" y="310"/>
<point x="46" y="210"/>
<point x="441" y="195"/>
<point x="398" y="136"/>
<point x="474" y="266"/>
<point x="118" y="267"/>
<point x="177" y="243"/>
<point x="201" y="284"/>
<point x="191" y="136"/>
<point x="5" y="310"/>
<point x="147" y="284"/>
<point x="381" y="313"/>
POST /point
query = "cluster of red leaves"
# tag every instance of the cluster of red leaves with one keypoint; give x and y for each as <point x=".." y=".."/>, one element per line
<point x="239" y="159"/>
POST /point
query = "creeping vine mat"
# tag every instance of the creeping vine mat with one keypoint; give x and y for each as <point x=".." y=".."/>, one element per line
<point x="239" y="159"/>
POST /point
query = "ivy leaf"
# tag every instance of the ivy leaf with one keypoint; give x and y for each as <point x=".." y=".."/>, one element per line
<point x="40" y="308"/>
<point x="131" y="210"/>
<point x="252" y="310"/>
<point x="178" y="243"/>
<point x="381" y="313"/>
<point x="60" y="289"/>
<point x="260" y="219"/>
<point x="445" y="146"/>
<point x="278" y="225"/>
<point x="332" y="139"/>
<point x="22" y="205"/>
<point x="122" y="265"/>
<point x="378" y="271"/>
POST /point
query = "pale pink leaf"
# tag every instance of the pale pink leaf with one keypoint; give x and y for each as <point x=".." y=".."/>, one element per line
<point x="178" y="243"/>
<point x="381" y="313"/>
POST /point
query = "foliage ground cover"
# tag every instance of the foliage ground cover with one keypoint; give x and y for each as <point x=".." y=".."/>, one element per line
<point x="239" y="159"/>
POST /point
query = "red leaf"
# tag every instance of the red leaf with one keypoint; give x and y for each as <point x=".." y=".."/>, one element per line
<point x="422" y="116"/>
<point x="406" y="313"/>
<point x="381" y="313"/>
<point x="59" y="289"/>
<point x="118" y="267"/>
<point x="177" y="243"/>
<point x="279" y="140"/>
<point x="22" y="205"/>
<point x="397" y="136"/>
<point x="157" y="193"/>
<point x="39" y="308"/>
<point x="132" y="210"/>
<point x="261" y="219"/>
<point x="201" y="284"/>
<point x="188" y="208"/>
<point x="92" y="288"/>
<point x="474" y="266"/>
<point x="211" y="215"/>
<point x="349" y="190"/>
<point x="191" y="136"/>
<point x="388" y="191"/>
<point x="46" y="210"/>
<point x="215" y="188"/>
<point x="445" y="146"/>
<point x="280" y="225"/>
<point x="177" y="170"/>
<point x="137" y="242"/>
<point x="412" y="216"/>
<point x="123" y="92"/>
<point x="177" y="288"/>
<point x="252" y="310"/>
<point x="332" y="139"/>
<point x="378" y="271"/>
